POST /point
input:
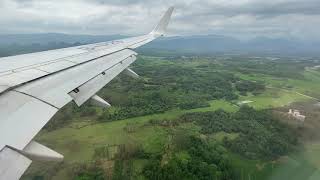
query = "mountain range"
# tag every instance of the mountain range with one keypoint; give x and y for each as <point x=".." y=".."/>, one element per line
<point x="197" y="44"/>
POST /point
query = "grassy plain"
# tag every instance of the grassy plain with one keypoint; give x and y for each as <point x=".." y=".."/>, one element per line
<point x="308" y="86"/>
<point x="273" y="97"/>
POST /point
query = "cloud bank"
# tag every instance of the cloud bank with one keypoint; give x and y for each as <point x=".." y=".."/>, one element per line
<point x="239" y="18"/>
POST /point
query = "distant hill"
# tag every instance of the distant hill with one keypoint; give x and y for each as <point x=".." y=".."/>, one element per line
<point x="200" y="44"/>
<point x="224" y="44"/>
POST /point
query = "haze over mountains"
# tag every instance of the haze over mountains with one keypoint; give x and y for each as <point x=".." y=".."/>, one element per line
<point x="225" y="44"/>
<point x="198" y="44"/>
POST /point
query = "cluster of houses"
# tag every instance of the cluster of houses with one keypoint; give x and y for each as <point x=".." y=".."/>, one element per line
<point x="297" y="115"/>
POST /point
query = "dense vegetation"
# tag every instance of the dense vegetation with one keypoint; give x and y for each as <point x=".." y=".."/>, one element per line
<point x="190" y="155"/>
<point x="260" y="134"/>
<point x="199" y="160"/>
<point x="248" y="86"/>
<point x="168" y="86"/>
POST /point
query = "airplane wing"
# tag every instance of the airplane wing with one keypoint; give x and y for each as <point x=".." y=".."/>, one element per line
<point x="33" y="87"/>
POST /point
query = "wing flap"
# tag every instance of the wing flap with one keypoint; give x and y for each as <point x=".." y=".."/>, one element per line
<point x="54" y="89"/>
<point x="90" y="88"/>
<point x="22" y="117"/>
<point x="40" y="152"/>
<point x="12" y="164"/>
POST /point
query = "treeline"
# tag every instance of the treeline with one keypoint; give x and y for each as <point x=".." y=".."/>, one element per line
<point x="249" y="86"/>
<point x="261" y="136"/>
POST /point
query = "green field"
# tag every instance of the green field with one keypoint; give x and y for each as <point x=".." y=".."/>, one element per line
<point x="274" y="97"/>
<point x="309" y="86"/>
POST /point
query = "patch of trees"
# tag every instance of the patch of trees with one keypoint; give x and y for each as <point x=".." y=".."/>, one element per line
<point x="63" y="117"/>
<point x="193" y="104"/>
<point x="122" y="170"/>
<point x="168" y="86"/>
<point x="249" y="86"/>
<point x="202" y="161"/>
<point x="119" y="157"/>
<point x="70" y="112"/>
<point x="260" y="134"/>
<point x="88" y="171"/>
<point x="146" y="103"/>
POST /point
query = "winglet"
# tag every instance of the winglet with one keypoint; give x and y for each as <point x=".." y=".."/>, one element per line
<point x="161" y="28"/>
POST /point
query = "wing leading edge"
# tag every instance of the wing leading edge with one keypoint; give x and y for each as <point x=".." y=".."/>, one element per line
<point x="35" y="86"/>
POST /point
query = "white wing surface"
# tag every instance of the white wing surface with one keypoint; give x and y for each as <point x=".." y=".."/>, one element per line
<point x="33" y="87"/>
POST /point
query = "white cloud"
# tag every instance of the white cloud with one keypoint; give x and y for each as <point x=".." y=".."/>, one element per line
<point x="241" y="18"/>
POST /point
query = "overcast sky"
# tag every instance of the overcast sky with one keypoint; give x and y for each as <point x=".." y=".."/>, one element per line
<point x="240" y="18"/>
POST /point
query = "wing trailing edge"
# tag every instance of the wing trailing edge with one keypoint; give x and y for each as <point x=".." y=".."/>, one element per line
<point x="12" y="164"/>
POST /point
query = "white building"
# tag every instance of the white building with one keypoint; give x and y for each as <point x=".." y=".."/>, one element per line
<point x="296" y="114"/>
